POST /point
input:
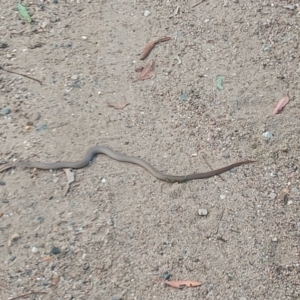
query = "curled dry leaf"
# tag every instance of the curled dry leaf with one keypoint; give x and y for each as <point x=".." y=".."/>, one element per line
<point x="281" y="104"/>
<point x="150" y="46"/>
<point x="118" y="105"/>
<point x="70" y="177"/>
<point x="147" y="71"/>
<point x="182" y="283"/>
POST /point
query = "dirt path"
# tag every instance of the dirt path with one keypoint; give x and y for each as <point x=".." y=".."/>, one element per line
<point x="119" y="231"/>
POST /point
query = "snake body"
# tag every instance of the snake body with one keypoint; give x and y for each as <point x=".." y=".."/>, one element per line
<point x="91" y="152"/>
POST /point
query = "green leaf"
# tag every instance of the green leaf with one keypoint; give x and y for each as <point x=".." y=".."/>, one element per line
<point x="220" y="79"/>
<point x="23" y="11"/>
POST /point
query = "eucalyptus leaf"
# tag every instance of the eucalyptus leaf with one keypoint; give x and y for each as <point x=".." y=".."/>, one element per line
<point x="220" y="79"/>
<point x="23" y="12"/>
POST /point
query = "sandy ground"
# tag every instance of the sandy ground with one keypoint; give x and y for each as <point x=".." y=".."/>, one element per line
<point x="119" y="232"/>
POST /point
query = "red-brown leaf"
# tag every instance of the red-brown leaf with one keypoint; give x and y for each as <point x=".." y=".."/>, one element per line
<point x="148" y="71"/>
<point x="150" y="46"/>
<point x="281" y="104"/>
<point x="182" y="283"/>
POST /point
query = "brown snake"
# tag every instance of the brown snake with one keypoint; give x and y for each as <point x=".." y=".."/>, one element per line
<point x="91" y="152"/>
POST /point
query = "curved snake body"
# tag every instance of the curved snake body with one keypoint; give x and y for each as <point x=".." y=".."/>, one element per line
<point x="91" y="152"/>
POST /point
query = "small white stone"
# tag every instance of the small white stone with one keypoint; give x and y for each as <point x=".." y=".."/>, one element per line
<point x="147" y="13"/>
<point x="74" y="77"/>
<point x="194" y="154"/>
<point x="274" y="239"/>
<point x="222" y="197"/>
<point x="272" y="195"/>
<point x="84" y="37"/>
<point x="202" y="212"/>
<point x="103" y="180"/>
<point x="35" y="250"/>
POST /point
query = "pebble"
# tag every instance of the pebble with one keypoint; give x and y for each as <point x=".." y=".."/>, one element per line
<point x="12" y="258"/>
<point x="84" y="37"/>
<point x="35" y="116"/>
<point x="267" y="135"/>
<point x="274" y="239"/>
<point x="35" y="250"/>
<point x="147" y="13"/>
<point x="42" y="127"/>
<point x="103" y="180"/>
<point x="5" y="110"/>
<point x="202" y="212"/>
<point x="3" y="45"/>
<point x="74" y="77"/>
<point x="14" y="237"/>
<point x="166" y="275"/>
<point x="222" y="197"/>
<point x="55" y="250"/>
<point x="272" y="195"/>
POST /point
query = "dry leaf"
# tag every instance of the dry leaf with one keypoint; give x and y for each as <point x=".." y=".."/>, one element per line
<point x="281" y="104"/>
<point x="70" y="177"/>
<point x="148" y="71"/>
<point x="55" y="281"/>
<point x="47" y="258"/>
<point x="150" y="46"/>
<point x="118" y="105"/>
<point x="182" y="283"/>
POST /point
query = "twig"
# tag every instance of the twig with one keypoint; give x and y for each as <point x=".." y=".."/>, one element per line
<point x="26" y="295"/>
<point x="24" y="75"/>
<point x="197" y="3"/>
<point x="221" y="217"/>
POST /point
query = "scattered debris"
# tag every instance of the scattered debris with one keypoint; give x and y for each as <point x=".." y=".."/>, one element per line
<point x="23" y="12"/>
<point x="147" y="71"/>
<point x="281" y="104"/>
<point x="150" y="46"/>
<point x="70" y="177"/>
<point x="220" y="79"/>
<point x="118" y="105"/>
<point x="182" y="283"/>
